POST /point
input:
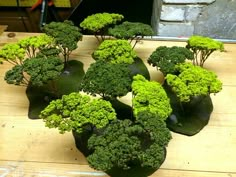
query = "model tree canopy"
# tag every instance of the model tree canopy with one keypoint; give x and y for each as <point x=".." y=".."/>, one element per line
<point x="150" y="96"/>
<point x="202" y="48"/>
<point x="124" y="144"/>
<point x="165" y="58"/>
<point x="66" y="36"/>
<point x="107" y="79"/>
<point x="115" y="51"/>
<point x="193" y="81"/>
<point x="75" y="111"/>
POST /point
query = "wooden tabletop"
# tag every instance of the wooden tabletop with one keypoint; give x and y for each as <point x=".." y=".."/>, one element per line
<point x="28" y="148"/>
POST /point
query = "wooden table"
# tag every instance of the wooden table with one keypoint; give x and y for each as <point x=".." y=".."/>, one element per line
<point x="29" y="149"/>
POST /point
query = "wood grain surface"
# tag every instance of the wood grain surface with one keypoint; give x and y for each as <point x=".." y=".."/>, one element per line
<point x="28" y="149"/>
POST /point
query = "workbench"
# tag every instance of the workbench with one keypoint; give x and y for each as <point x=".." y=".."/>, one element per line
<point x="28" y="148"/>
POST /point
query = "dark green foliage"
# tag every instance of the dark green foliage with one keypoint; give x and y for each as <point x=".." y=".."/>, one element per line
<point x="165" y="58"/>
<point x="131" y="31"/>
<point x="66" y="36"/>
<point x="42" y="70"/>
<point x="15" y="75"/>
<point x="107" y="79"/>
<point x="75" y="111"/>
<point x="49" y="52"/>
<point x="125" y="144"/>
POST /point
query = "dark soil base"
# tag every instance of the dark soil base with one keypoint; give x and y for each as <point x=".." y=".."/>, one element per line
<point x="68" y="81"/>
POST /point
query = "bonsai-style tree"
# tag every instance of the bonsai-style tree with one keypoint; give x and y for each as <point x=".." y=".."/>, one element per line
<point x="35" y="71"/>
<point x="107" y="80"/>
<point x="115" y="51"/>
<point x="151" y="97"/>
<point x="131" y="31"/>
<point x="76" y="112"/>
<point x="125" y="144"/>
<point x="193" y="81"/>
<point x="202" y="48"/>
<point x="99" y="23"/>
<point x="66" y="36"/>
<point x="165" y="58"/>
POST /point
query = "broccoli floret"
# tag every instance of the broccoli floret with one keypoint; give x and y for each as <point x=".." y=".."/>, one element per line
<point x="107" y="79"/>
<point x="193" y="81"/>
<point x="75" y="111"/>
<point x="99" y="23"/>
<point x="15" y="76"/>
<point x="202" y="48"/>
<point x="115" y="51"/>
<point x="165" y="58"/>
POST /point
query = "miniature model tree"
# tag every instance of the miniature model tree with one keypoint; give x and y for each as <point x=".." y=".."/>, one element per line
<point x="115" y="51"/>
<point x="76" y="112"/>
<point x="131" y="31"/>
<point x="151" y="97"/>
<point x="165" y="58"/>
<point x="99" y="23"/>
<point x="125" y="144"/>
<point x="107" y="80"/>
<point x="202" y="48"/>
<point x="189" y="93"/>
<point x="66" y="36"/>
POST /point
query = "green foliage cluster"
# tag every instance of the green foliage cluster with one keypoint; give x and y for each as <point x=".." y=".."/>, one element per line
<point x="115" y="51"/>
<point x="193" y="81"/>
<point x="98" y="23"/>
<point x="202" y="48"/>
<point x="125" y="144"/>
<point x="131" y="31"/>
<point x="151" y="97"/>
<point x="107" y="79"/>
<point x="66" y="36"/>
<point x="76" y="111"/>
<point x="165" y="58"/>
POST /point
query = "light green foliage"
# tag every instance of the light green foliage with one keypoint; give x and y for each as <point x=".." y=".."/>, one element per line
<point x="131" y="31"/>
<point x="41" y="70"/>
<point x="31" y="44"/>
<point x="202" y="48"/>
<point x="12" y="53"/>
<point x="125" y="143"/>
<point x="66" y="36"/>
<point x="107" y="79"/>
<point x="15" y="76"/>
<point x="115" y="51"/>
<point x="74" y="111"/>
<point x="165" y="58"/>
<point x="150" y="96"/>
<point x="98" y="22"/>
<point x="193" y="81"/>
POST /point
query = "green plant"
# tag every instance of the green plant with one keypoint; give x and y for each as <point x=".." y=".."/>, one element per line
<point x="66" y="36"/>
<point x="193" y="81"/>
<point x="115" y="51"/>
<point x="125" y="144"/>
<point x="202" y="48"/>
<point x="107" y="80"/>
<point x="131" y="31"/>
<point x="76" y="112"/>
<point x="150" y="96"/>
<point x="165" y="58"/>
<point x="99" y="23"/>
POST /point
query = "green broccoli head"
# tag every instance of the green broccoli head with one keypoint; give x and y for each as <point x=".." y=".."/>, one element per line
<point x="150" y="96"/>
<point x="15" y="75"/>
<point x="115" y="51"/>
<point x="12" y="53"/>
<point x="75" y="111"/>
<point x="107" y="79"/>
<point x="129" y="30"/>
<point x="124" y="143"/>
<point x="193" y="81"/>
<point x="165" y="58"/>
<point x="41" y="69"/>
<point x="96" y="23"/>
